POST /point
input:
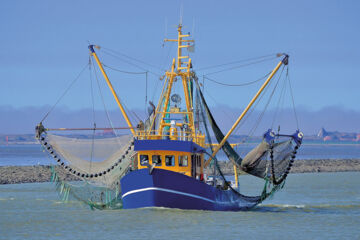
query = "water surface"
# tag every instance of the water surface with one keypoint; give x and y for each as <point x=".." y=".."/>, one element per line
<point x="311" y="206"/>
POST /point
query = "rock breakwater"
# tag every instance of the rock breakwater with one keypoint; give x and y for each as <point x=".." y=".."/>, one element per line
<point x="40" y="173"/>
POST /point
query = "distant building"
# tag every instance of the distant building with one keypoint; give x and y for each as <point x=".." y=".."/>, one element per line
<point x="338" y="136"/>
<point x="322" y="133"/>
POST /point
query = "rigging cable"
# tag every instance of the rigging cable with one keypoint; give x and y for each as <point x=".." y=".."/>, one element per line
<point x="247" y="116"/>
<point x="146" y="71"/>
<point x="171" y="45"/>
<point x="237" y="85"/>
<point x="130" y="63"/>
<point x="64" y="93"/>
<point x="242" y="65"/>
<point x="102" y="99"/>
<point x="255" y="126"/>
<point x="146" y="80"/>
<point x="238" y="61"/>
<point x="292" y="97"/>
<point x="132" y="58"/>
<point x="122" y="71"/>
<point x="93" y="109"/>
<point x="217" y="104"/>
<point x="268" y="102"/>
<point x="146" y="90"/>
<point x="279" y="104"/>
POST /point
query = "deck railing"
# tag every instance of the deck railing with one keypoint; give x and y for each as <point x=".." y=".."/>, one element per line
<point x="180" y="136"/>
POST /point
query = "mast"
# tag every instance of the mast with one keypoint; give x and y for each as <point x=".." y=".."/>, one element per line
<point x="283" y="61"/>
<point x="92" y="52"/>
<point x="180" y="68"/>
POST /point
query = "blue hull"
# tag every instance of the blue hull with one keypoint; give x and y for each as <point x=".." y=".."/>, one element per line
<point x="169" y="189"/>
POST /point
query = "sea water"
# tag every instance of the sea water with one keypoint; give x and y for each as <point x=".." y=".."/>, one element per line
<point x="311" y="206"/>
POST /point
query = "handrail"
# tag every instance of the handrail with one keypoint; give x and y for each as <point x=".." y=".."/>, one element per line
<point x="180" y="136"/>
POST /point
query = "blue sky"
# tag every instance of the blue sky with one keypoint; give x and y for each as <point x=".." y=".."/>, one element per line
<point x="44" y="46"/>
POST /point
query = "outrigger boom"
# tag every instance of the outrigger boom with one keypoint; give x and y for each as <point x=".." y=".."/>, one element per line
<point x="284" y="61"/>
<point x="93" y="53"/>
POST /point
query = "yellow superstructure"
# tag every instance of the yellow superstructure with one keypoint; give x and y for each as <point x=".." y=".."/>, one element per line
<point x="190" y="164"/>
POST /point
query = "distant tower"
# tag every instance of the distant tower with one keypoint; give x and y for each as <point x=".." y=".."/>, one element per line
<point x="322" y="133"/>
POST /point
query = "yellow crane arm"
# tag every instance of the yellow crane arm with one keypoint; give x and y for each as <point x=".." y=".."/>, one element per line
<point x="283" y="61"/>
<point x="92" y="52"/>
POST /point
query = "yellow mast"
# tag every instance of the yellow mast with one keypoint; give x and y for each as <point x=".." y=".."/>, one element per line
<point x="283" y="61"/>
<point x="184" y="73"/>
<point x="171" y="75"/>
<point x="92" y="52"/>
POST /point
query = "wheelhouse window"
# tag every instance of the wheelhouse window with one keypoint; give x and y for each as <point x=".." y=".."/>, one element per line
<point x="170" y="160"/>
<point x="144" y="160"/>
<point x="183" y="161"/>
<point x="156" y="159"/>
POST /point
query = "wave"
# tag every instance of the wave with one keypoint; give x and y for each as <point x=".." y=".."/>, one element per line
<point x="305" y="207"/>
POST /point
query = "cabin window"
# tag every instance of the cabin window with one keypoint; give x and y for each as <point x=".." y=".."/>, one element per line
<point x="183" y="161"/>
<point x="144" y="160"/>
<point x="156" y="159"/>
<point x="170" y="160"/>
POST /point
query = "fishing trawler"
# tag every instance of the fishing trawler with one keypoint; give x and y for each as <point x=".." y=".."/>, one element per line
<point x="163" y="162"/>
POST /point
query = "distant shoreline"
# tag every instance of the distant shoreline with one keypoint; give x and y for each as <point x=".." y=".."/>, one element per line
<point x="42" y="173"/>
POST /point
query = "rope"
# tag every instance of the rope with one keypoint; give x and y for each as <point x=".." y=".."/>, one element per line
<point x="132" y="58"/>
<point x="257" y="123"/>
<point x="146" y="90"/>
<point x="167" y="55"/>
<point x="93" y="109"/>
<point x="130" y="63"/>
<point x="122" y="104"/>
<point x="217" y="104"/>
<point x="269" y="100"/>
<point x="279" y="104"/>
<point x="243" y="65"/>
<point x="146" y="82"/>
<point x="292" y="98"/>
<point x="65" y="92"/>
<point x="237" y="85"/>
<point x="146" y="71"/>
<point x="233" y="62"/>
<point x="103" y="101"/>
<point x="122" y="71"/>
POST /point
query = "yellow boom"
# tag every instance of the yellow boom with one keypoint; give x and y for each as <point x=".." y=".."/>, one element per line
<point x="283" y="61"/>
<point x="92" y="52"/>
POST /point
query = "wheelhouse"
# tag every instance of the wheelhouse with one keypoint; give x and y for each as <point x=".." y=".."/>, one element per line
<point x="184" y="157"/>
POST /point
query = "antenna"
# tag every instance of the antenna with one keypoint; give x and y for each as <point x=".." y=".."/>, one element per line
<point x="193" y="28"/>
<point x="181" y="12"/>
<point x="166" y="26"/>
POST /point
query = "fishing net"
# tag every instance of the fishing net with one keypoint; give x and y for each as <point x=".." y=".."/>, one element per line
<point x="97" y="197"/>
<point x="102" y="160"/>
<point x="97" y="161"/>
<point x="271" y="160"/>
<point x="267" y="159"/>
